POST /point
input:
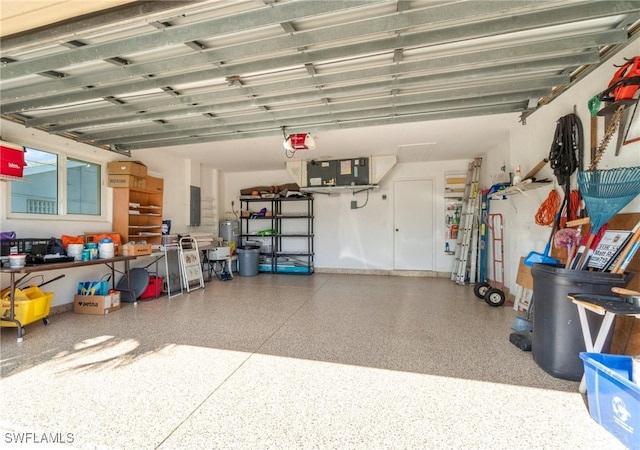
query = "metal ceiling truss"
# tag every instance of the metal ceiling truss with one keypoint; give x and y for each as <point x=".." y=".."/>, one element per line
<point x="300" y="65"/>
<point x="222" y="101"/>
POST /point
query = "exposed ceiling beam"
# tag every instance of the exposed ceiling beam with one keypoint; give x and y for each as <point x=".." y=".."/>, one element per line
<point x="522" y="88"/>
<point x="520" y="91"/>
<point x="115" y="16"/>
<point x="335" y="125"/>
<point x="281" y="12"/>
<point x="265" y="46"/>
<point x="417" y="73"/>
<point x="413" y="18"/>
<point x="590" y="40"/>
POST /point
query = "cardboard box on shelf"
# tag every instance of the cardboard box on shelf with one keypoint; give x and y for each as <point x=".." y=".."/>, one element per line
<point x="154" y="184"/>
<point x="127" y="181"/>
<point x="251" y="214"/>
<point x="96" y="304"/>
<point x="136" y="249"/>
<point x="136" y="168"/>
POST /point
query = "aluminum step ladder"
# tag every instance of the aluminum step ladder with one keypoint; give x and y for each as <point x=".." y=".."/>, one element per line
<point x="466" y="254"/>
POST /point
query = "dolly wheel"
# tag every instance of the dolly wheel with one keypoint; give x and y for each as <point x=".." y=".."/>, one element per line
<point x="480" y="289"/>
<point x="494" y="297"/>
<point x="45" y="321"/>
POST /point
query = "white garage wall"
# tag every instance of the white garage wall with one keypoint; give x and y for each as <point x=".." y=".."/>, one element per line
<point x="360" y="239"/>
<point x="532" y="142"/>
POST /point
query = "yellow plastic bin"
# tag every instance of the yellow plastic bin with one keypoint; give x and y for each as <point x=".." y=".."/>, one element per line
<point x="31" y="305"/>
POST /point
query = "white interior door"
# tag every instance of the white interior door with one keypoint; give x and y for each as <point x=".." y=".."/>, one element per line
<point x="413" y="220"/>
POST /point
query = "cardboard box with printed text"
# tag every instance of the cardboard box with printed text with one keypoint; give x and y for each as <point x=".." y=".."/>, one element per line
<point x="96" y="304"/>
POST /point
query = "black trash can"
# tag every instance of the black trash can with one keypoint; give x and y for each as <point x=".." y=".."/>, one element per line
<point x="248" y="260"/>
<point x="557" y="334"/>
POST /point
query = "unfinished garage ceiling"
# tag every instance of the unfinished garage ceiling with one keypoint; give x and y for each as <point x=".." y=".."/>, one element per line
<point x="156" y="74"/>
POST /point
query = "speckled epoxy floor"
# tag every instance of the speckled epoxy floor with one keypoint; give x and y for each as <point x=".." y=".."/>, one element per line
<point x="286" y="361"/>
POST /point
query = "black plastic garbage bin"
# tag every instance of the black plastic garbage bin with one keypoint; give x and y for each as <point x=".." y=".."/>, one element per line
<point x="557" y="334"/>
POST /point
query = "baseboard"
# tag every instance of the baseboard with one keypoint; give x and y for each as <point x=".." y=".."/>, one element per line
<point x="67" y="307"/>
<point x="399" y="273"/>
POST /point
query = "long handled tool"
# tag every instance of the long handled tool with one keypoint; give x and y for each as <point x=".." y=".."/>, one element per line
<point x="628" y="252"/>
<point x="537" y="168"/>
<point x="44" y="282"/>
<point x="594" y="106"/>
<point x="630" y="296"/>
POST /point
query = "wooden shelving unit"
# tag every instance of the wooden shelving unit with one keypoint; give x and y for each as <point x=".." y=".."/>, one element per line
<point x="137" y="215"/>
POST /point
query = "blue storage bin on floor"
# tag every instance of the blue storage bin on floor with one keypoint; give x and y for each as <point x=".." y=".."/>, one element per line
<point x="614" y="400"/>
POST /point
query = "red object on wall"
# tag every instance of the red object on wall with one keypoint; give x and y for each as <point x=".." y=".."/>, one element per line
<point x="11" y="159"/>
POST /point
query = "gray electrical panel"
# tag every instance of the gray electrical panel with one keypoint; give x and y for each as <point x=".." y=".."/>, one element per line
<point x="338" y="172"/>
<point x="353" y="172"/>
<point x="194" y="206"/>
<point x="322" y="173"/>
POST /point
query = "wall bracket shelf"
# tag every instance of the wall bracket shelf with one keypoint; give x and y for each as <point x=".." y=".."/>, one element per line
<point x="520" y="188"/>
<point x="328" y="190"/>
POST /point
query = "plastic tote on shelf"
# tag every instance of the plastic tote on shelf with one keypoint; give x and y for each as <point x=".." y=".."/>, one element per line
<point x="248" y="260"/>
<point x="614" y="400"/>
<point x="557" y="334"/>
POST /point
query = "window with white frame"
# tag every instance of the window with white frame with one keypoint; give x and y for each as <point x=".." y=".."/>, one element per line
<point x="49" y="178"/>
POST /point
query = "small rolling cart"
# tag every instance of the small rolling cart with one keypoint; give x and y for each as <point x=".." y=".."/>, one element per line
<point x="493" y="295"/>
<point x="31" y="304"/>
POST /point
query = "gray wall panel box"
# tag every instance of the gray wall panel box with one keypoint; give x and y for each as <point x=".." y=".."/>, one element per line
<point x="194" y="206"/>
<point x="353" y="172"/>
<point x="379" y="167"/>
<point x="322" y="173"/>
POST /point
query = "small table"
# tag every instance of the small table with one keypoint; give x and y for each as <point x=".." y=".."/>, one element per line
<point x="210" y="260"/>
<point x="608" y="306"/>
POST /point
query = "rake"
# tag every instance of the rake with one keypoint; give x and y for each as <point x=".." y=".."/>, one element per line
<point x="605" y="192"/>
